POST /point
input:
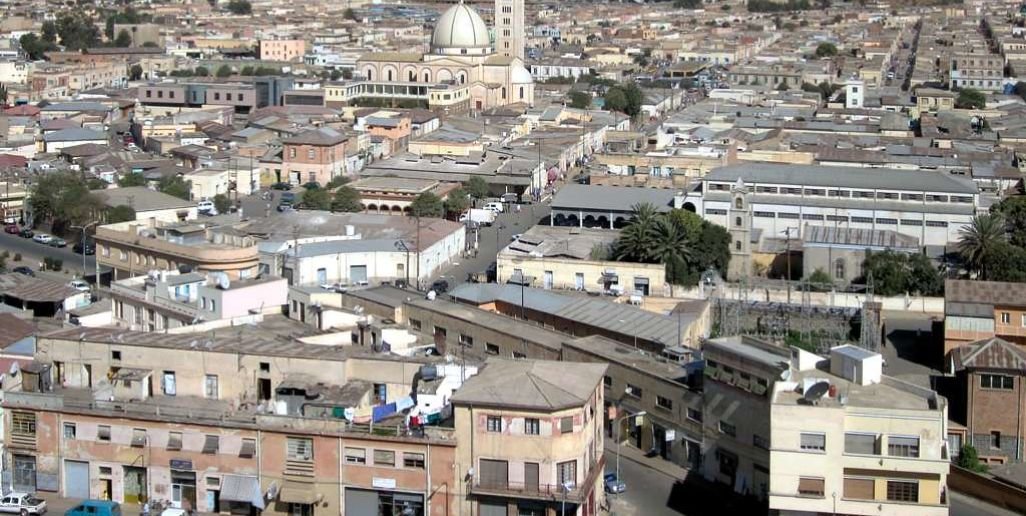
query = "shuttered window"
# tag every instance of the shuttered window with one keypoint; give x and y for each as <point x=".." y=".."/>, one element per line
<point x="859" y="488"/>
<point x="813" y="442"/>
<point x="494" y="473"/>
<point x="902" y="491"/>
<point x="384" y="458"/>
<point x="356" y="456"/>
<point x="138" y="437"/>
<point x="808" y="486"/>
<point x="864" y="444"/>
<point x="103" y="433"/>
<point x="210" y="444"/>
<point x="300" y="448"/>
<point x="902" y="446"/>
<point x="248" y="449"/>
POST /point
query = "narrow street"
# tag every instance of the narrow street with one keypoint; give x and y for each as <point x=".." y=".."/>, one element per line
<point x="32" y="253"/>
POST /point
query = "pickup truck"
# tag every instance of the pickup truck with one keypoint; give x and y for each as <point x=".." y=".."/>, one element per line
<point x="480" y="216"/>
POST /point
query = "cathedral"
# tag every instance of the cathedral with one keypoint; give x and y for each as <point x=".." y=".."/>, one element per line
<point x="462" y="53"/>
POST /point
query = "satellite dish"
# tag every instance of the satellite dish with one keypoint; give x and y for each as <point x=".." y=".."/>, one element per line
<point x="817" y="391"/>
<point x="785" y="375"/>
<point x="222" y="281"/>
<point x="14" y="369"/>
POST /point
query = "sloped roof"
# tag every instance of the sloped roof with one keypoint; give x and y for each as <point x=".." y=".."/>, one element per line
<point x="13" y="329"/>
<point x="531" y="384"/>
<point x="319" y="136"/>
<point x="992" y="353"/>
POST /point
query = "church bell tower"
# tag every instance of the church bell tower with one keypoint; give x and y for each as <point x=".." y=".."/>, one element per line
<point x="509" y="28"/>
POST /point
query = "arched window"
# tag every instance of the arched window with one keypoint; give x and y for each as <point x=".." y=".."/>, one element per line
<point x="427" y="76"/>
<point x="503" y="93"/>
<point x="737" y="245"/>
<point x="839" y="269"/>
<point x="390" y="75"/>
<point x="737" y="221"/>
<point x="521" y="93"/>
<point x="739" y="203"/>
<point x="413" y="76"/>
<point x="370" y="74"/>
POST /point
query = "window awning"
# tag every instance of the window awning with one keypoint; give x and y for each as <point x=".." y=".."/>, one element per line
<point x="239" y="488"/>
<point x="295" y="492"/>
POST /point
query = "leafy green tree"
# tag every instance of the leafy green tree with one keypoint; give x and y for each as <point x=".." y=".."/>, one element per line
<point x="969" y="98"/>
<point x="246" y="71"/>
<point x="62" y="198"/>
<point x="681" y="240"/>
<point x="222" y="203"/>
<point x="969" y="459"/>
<point x="347" y="200"/>
<point x="427" y="204"/>
<point x="616" y="100"/>
<point x="77" y="30"/>
<point x="49" y="33"/>
<point x="457" y="201"/>
<point x="1006" y="263"/>
<point x="477" y="188"/>
<point x="201" y="71"/>
<point x="224" y="71"/>
<point x="349" y="14"/>
<point x="135" y="72"/>
<point x="240" y="7"/>
<point x="636" y="239"/>
<point x="826" y="49"/>
<point x="579" y="99"/>
<point x="1013" y="211"/>
<point x="121" y="213"/>
<point x="820" y="277"/>
<point x="317" y="199"/>
<point x="335" y="75"/>
<point x="123" y="40"/>
<point x="95" y="183"/>
<point x="979" y="239"/>
<point x="132" y="179"/>
<point x="687" y="4"/>
<point x="337" y="181"/>
<point x="176" y="186"/>
<point x="895" y="273"/>
<point x="35" y="47"/>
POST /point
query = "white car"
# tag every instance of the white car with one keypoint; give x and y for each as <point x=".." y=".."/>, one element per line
<point x="207" y="208"/>
<point x="494" y="206"/>
<point x="22" y="503"/>
<point x="79" y="285"/>
<point x="42" y="238"/>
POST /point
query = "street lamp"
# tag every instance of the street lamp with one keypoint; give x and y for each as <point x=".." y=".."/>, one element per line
<point x="399" y="244"/>
<point x="84" y="244"/>
<point x="565" y="487"/>
<point x="617" y="425"/>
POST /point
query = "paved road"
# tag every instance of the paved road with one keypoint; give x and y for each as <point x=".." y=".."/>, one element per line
<point x="32" y="253"/>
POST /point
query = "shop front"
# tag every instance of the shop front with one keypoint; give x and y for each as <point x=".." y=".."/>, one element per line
<point x="383" y="503"/>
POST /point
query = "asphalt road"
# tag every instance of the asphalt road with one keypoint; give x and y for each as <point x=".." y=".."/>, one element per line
<point x="32" y="253"/>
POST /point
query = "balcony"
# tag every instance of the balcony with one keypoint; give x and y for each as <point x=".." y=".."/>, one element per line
<point x="549" y="492"/>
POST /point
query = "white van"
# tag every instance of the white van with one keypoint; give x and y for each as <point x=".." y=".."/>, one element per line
<point x="494" y="206"/>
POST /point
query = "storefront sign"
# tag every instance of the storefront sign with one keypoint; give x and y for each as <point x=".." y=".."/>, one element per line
<point x="181" y="464"/>
<point x="383" y="483"/>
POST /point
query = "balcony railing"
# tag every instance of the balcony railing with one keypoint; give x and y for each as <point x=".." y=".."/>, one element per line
<point x="577" y="494"/>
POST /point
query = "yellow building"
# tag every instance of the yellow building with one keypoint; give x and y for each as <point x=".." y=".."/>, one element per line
<point x="537" y="434"/>
<point x="12" y="202"/>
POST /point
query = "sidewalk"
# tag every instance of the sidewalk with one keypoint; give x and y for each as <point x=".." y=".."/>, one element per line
<point x="657" y="463"/>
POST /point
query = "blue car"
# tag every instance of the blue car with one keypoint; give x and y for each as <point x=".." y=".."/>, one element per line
<point x="95" y="508"/>
<point x="614" y="485"/>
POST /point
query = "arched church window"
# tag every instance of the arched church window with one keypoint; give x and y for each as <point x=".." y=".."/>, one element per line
<point x="521" y="93"/>
<point x="739" y="203"/>
<point x="503" y="93"/>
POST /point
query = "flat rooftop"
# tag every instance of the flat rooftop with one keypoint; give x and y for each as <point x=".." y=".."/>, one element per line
<point x="622" y="354"/>
<point x="890" y="393"/>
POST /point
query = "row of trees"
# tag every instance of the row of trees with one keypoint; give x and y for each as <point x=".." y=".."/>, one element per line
<point x="346" y="199"/>
<point x="679" y="239"/>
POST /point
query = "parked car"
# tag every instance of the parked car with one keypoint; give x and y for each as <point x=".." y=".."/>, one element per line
<point x="205" y="206"/>
<point x="440" y="286"/>
<point x="12" y="229"/>
<point x="79" y="285"/>
<point x="24" y="270"/>
<point x="42" y="238"/>
<point x="614" y="485"/>
<point x="26" y="233"/>
<point x="509" y="197"/>
<point x="95" y="508"/>
<point x="58" y="242"/>
<point x="285" y="207"/>
<point x="22" y="503"/>
<point x="84" y="248"/>
<point x="281" y="186"/>
<point x="494" y="206"/>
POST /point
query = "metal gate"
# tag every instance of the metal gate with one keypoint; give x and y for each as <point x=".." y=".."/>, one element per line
<point x="76" y="479"/>
<point x="358" y="274"/>
<point x="24" y="473"/>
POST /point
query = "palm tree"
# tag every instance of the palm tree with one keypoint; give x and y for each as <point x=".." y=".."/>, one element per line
<point x="670" y="243"/>
<point x="979" y="239"/>
<point x="636" y="238"/>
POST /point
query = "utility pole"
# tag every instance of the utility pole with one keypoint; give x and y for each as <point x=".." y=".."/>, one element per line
<point x="417" y="217"/>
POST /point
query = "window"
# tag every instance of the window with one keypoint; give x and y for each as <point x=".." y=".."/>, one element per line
<point x="839" y="268"/>
<point x="466" y="340"/>
<point x="248" y="449"/>
<point x="491" y="349"/>
<point x="1006" y="318"/>
<point x="813" y="442"/>
<point x="518" y="355"/>
<point x="728" y="462"/>
<point x="211" y="443"/>
<point x="440" y="332"/>
<point x="809" y="486"/>
<point x="760" y="442"/>
<point x="665" y="403"/>
<point x="1023" y="319"/>
<point x="413" y="460"/>
<point x="566" y="425"/>
<point x="863" y="444"/>
<point x="493" y="424"/>
<point x="859" y="488"/>
<point x="69" y="430"/>
<point x="902" y="491"/>
<point x="210" y="386"/>
<point x="737" y="221"/>
<point x="739" y="204"/>
<point x="728" y="429"/>
<point x="309" y="153"/>
<point x="415" y="324"/>
<point x="633" y="390"/>
<point x="217" y="96"/>
<point x="265" y="367"/>
<point x="356" y="456"/>
<point x="694" y="414"/>
<point x="384" y="458"/>
<point x="902" y="446"/>
<point x="115" y="356"/>
<point x="566" y="472"/>
<point x="607" y="381"/>
<point x="299" y="448"/>
<point x="23" y="423"/>
<point x="997" y="381"/>
<point x="228" y="96"/>
<point x="103" y="433"/>
<point x="532" y="426"/>
<point x="174" y="441"/>
<point x="995" y="440"/>
<point x="737" y="245"/>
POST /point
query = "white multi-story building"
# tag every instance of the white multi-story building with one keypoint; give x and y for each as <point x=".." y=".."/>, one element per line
<point x="847" y="440"/>
<point x="781" y="199"/>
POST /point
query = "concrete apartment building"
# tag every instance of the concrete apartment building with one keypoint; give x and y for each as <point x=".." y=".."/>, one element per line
<point x="848" y="440"/>
<point x="928" y="205"/>
<point x="180" y="422"/>
<point x="165" y="300"/>
<point x="993" y="373"/>
<point x="532" y="433"/>
<point x="134" y="248"/>
<point x="241" y="97"/>
<point x="981" y="71"/>
<point x="316" y="155"/>
<point x="291" y="50"/>
<point x="979" y="310"/>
